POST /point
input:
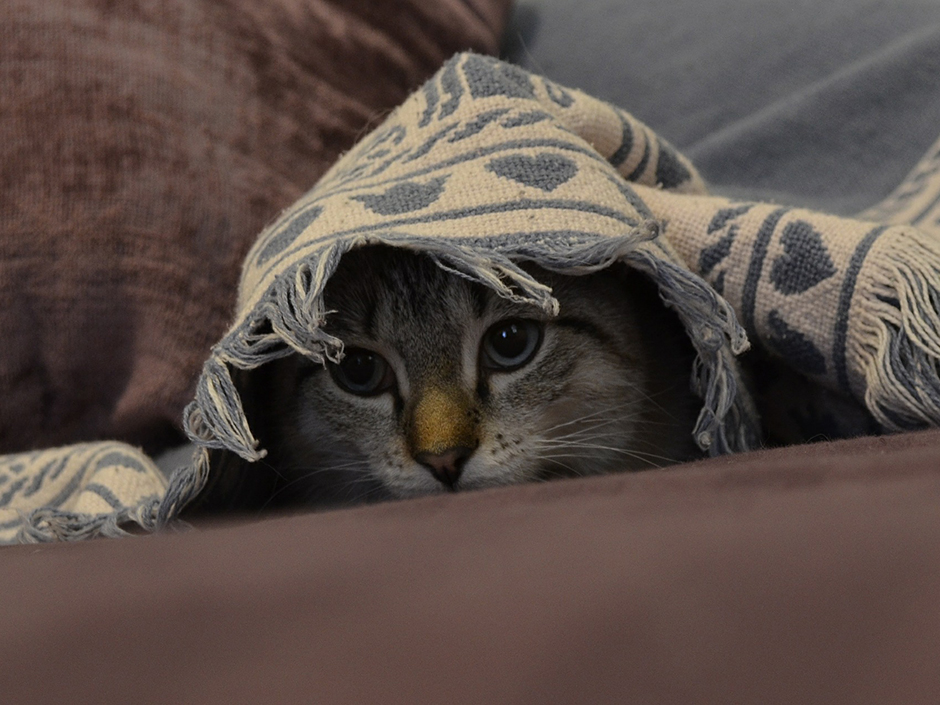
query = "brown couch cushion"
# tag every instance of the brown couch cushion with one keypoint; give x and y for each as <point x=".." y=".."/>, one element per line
<point x="806" y="575"/>
<point x="143" y="145"/>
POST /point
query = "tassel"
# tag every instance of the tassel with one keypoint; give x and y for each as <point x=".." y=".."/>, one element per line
<point x="216" y="418"/>
<point x="894" y="348"/>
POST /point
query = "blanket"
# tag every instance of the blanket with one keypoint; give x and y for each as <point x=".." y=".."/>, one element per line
<point x="487" y="166"/>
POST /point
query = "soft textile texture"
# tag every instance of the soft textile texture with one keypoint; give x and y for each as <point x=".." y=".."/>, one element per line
<point x="87" y="490"/>
<point x="825" y="105"/>
<point x="483" y="167"/>
<point x="804" y="575"/>
<point x="850" y="304"/>
<point x="488" y="165"/>
<point x="143" y="145"/>
<point x="798" y="103"/>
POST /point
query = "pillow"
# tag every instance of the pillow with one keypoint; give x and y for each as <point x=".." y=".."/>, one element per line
<point x="142" y="147"/>
<point x="797" y="575"/>
<point x="825" y="105"/>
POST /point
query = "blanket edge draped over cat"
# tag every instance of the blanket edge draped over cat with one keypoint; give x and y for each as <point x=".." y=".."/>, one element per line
<point x="486" y="166"/>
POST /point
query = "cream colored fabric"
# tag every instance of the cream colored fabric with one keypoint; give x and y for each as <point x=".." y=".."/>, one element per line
<point x="76" y="491"/>
<point x="850" y="304"/>
<point x="487" y="166"/>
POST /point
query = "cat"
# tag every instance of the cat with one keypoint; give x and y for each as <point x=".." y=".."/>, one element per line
<point x="446" y="386"/>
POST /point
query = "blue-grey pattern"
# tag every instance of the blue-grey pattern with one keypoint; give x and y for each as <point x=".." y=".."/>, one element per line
<point x="77" y="492"/>
<point x="794" y="346"/>
<point x="545" y="171"/>
<point x="403" y="197"/>
<point x="712" y="255"/>
<point x="726" y="215"/>
<point x="670" y="171"/>
<point x="476" y="125"/>
<point x="557" y="94"/>
<point x="528" y="117"/>
<point x="289" y="232"/>
<point x="487" y="78"/>
<point x="805" y="262"/>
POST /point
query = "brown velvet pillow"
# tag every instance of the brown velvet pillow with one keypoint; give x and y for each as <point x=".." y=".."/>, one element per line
<point x="143" y="145"/>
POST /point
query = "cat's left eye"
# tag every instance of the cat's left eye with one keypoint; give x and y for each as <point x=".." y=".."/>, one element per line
<point x="363" y="372"/>
<point x="510" y="344"/>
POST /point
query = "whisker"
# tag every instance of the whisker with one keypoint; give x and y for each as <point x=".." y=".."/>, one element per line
<point x="570" y="469"/>
<point x="309" y="473"/>
<point x="632" y="453"/>
<point x="585" y="417"/>
<point x="348" y="489"/>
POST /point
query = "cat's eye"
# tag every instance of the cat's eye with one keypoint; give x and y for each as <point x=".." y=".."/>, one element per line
<point x="510" y="344"/>
<point x="363" y="372"/>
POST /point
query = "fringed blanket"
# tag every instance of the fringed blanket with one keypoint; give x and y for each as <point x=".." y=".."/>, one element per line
<point x="487" y="166"/>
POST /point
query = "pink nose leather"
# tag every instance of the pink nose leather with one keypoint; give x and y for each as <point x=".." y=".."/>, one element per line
<point x="447" y="465"/>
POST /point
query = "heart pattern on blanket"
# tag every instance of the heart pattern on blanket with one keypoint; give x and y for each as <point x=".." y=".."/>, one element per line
<point x="794" y="346"/>
<point x="403" y="198"/>
<point x="546" y="171"/>
<point x="805" y="261"/>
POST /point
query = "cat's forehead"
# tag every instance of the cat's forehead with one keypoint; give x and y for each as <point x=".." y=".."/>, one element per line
<point x="387" y="291"/>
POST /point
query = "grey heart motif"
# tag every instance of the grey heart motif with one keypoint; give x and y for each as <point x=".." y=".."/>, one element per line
<point x="805" y="261"/>
<point x="546" y="171"/>
<point x="404" y="197"/>
<point x="795" y="347"/>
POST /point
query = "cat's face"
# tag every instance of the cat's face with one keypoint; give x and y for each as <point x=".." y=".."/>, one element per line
<point x="447" y="386"/>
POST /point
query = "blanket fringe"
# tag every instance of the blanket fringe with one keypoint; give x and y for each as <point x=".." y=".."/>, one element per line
<point x="185" y="485"/>
<point x="291" y="315"/>
<point x="898" y="341"/>
<point x="216" y="418"/>
<point x="48" y="524"/>
<point x="728" y="421"/>
<point x="154" y="514"/>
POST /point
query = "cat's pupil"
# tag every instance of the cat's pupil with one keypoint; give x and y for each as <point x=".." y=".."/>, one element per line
<point x="511" y="340"/>
<point x="359" y="368"/>
<point x="362" y="372"/>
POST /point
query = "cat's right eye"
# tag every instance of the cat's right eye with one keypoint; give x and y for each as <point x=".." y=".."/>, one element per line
<point x="510" y="344"/>
<point x="363" y="372"/>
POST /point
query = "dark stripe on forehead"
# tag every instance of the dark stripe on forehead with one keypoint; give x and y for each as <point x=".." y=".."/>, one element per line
<point x="416" y="283"/>
<point x="586" y="329"/>
<point x="368" y="318"/>
<point x="479" y="299"/>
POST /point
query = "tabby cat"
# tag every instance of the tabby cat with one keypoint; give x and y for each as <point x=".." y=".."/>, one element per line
<point x="446" y="386"/>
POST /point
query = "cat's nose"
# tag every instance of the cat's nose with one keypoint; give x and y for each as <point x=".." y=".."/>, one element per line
<point x="447" y="465"/>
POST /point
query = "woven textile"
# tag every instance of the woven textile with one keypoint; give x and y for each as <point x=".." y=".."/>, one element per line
<point x="76" y="492"/>
<point x="487" y="166"/>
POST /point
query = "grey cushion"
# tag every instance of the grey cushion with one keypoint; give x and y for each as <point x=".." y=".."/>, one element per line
<point x="821" y="104"/>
